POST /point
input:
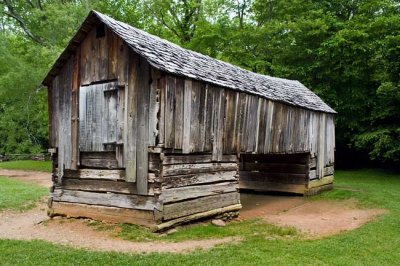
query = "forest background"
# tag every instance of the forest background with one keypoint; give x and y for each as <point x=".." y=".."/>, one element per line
<point x="346" y="51"/>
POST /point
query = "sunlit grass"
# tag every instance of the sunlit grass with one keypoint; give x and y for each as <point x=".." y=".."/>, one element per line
<point x="42" y="166"/>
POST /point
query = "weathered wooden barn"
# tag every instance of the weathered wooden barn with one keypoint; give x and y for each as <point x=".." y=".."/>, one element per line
<point x="143" y="131"/>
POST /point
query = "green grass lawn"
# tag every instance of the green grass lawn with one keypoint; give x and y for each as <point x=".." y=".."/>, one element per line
<point x="17" y="195"/>
<point x="42" y="166"/>
<point x="376" y="243"/>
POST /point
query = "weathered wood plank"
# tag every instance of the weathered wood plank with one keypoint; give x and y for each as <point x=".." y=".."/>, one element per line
<point x="178" y="112"/>
<point x="154" y="107"/>
<point x="75" y="110"/>
<point x="187" y="102"/>
<point x="276" y="167"/>
<point x="101" y="186"/>
<point x="288" y="178"/>
<point x="96" y="160"/>
<point x="183" y="169"/>
<point x="191" y="192"/>
<point x="161" y="120"/>
<point x="106" y="199"/>
<point x="328" y="170"/>
<point x="299" y="158"/>
<point x="102" y="213"/>
<point x="143" y="99"/>
<point x="191" y="159"/>
<point x="169" y="112"/>
<point x="321" y="182"/>
<point x="312" y="174"/>
<point x="204" y="204"/>
<point x="96" y="174"/>
<point x="197" y="179"/>
<point x="197" y="216"/>
<point x="131" y="126"/>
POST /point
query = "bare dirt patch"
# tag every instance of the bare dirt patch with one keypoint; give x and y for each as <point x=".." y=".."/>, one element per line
<point x="39" y="178"/>
<point x="35" y="224"/>
<point x="314" y="218"/>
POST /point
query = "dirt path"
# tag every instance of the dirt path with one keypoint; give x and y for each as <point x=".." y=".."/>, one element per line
<point x="30" y="225"/>
<point x="39" y="178"/>
<point x="314" y="218"/>
<point x="35" y="224"/>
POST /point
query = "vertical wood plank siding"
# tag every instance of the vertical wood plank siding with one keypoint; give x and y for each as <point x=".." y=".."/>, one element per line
<point x="221" y="121"/>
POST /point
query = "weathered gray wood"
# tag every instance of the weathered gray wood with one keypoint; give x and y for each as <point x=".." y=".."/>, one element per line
<point x="191" y="192"/>
<point x="105" y="160"/>
<point x="178" y="112"/>
<point x="328" y="171"/>
<point x="197" y="216"/>
<point x="183" y="169"/>
<point x="103" y="213"/>
<point x="297" y="158"/>
<point x="123" y="62"/>
<point x="276" y="167"/>
<point x="191" y="159"/>
<point x="98" y="117"/>
<point x="204" y="204"/>
<point x="197" y="179"/>
<point x="120" y="127"/>
<point x="154" y="106"/>
<point x="162" y="118"/>
<point x="131" y="126"/>
<point x="137" y="202"/>
<point x="285" y="178"/>
<point x="142" y="139"/>
<point x="96" y="174"/>
<point x="169" y="112"/>
<point x="312" y="174"/>
<point x="75" y="111"/>
<point x="187" y="116"/>
<point x="101" y="186"/>
<point x="64" y="130"/>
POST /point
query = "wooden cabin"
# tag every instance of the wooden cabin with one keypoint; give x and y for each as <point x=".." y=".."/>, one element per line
<point x="143" y="131"/>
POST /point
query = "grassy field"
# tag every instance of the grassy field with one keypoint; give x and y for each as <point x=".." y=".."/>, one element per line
<point x="376" y="243"/>
<point x="17" y="195"/>
<point x="27" y="165"/>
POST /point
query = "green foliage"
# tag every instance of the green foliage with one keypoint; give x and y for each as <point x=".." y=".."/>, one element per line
<point x="41" y="166"/>
<point x="17" y="195"/>
<point x="348" y="52"/>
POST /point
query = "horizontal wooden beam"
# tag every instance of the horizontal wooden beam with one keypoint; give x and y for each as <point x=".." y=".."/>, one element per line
<point x="191" y="192"/>
<point x="321" y="182"/>
<point x="276" y="167"/>
<point x="102" y="213"/>
<point x="191" y="159"/>
<point x="109" y="199"/>
<point x="184" y="169"/>
<point x="189" y="207"/>
<point x="197" y="179"/>
<point x="95" y="174"/>
<point x="102" y="186"/>
<point x="197" y="216"/>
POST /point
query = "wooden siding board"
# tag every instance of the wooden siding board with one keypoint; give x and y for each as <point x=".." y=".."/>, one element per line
<point x="143" y="101"/>
<point x="131" y="126"/>
<point x="170" y="112"/>
<point x="187" y="103"/>
<point x="179" y="113"/>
